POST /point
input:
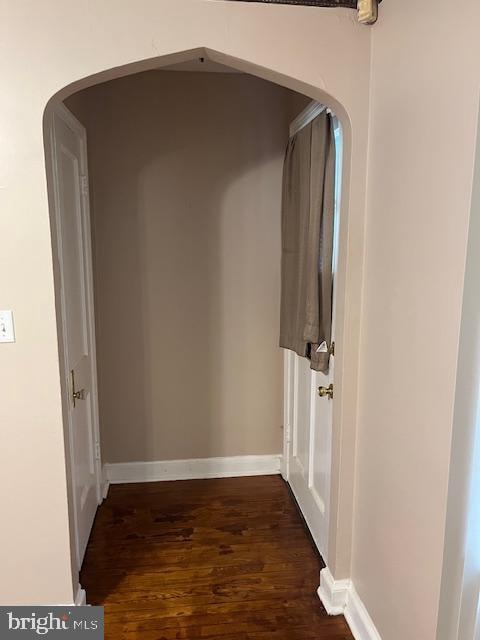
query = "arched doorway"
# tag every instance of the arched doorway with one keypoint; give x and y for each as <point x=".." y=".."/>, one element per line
<point x="341" y="435"/>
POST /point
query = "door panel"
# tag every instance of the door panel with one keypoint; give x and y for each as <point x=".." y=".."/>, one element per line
<point x="72" y="249"/>
<point x="309" y="452"/>
<point x="301" y="425"/>
<point x="74" y="254"/>
<point x="320" y="445"/>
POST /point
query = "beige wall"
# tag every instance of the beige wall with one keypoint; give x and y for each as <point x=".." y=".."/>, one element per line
<point x="425" y="87"/>
<point x="459" y="599"/>
<point x="186" y="173"/>
<point x="45" y="48"/>
<point x="424" y="102"/>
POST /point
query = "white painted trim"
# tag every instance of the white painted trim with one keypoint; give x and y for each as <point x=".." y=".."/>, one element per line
<point x="311" y="111"/>
<point x="287" y="412"/>
<point x="105" y="485"/>
<point x="231" y="467"/>
<point x="91" y="307"/>
<point x="333" y="593"/>
<point x="358" y="618"/>
<point x="80" y="597"/>
<point x="340" y="597"/>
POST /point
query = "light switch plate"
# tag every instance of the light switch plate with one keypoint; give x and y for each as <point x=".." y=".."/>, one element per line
<point x="7" y="332"/>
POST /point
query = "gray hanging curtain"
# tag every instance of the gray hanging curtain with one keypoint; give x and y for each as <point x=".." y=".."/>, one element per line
<point x="307" y="242"/>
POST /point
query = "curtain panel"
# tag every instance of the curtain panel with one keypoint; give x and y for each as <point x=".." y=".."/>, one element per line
<point x="308" y="203"/>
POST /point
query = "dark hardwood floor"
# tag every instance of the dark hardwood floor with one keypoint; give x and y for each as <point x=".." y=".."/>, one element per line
<point x="227" y="559"/>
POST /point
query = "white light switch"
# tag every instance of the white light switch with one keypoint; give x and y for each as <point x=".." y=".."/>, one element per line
<point x="7" y="333"/>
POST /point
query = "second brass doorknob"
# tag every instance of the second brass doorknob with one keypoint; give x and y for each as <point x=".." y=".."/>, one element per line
<point x="326" y="392"/>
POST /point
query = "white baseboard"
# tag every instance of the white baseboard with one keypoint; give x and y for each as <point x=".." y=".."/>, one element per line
<point x="340" y="597"/>
<point x="104" y="488"/>
<point x="80" y="597"/>
<point x="333" y="593"/>
<point x="235" y="466"/>
<point x="105" y="482"/>
<point x="358" y="618"/>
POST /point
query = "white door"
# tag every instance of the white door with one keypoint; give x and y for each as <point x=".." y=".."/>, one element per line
<point x="75" y="264"/>
<point x="308" y="417"/>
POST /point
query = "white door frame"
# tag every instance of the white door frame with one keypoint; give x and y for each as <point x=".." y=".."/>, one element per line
<point x="62" y="112"/>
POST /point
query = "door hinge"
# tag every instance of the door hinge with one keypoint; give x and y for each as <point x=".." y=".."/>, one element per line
<point x="97" y="450"/>
<point x="84" y="185"/>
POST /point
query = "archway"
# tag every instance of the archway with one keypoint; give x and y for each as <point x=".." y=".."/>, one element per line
<point x="348" y="269"/>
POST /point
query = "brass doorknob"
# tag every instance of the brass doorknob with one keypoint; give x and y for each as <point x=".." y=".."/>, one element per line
<point x="326" y="392"/>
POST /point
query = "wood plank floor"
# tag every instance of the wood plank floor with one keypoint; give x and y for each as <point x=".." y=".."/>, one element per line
<point x="225" y="558"/>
